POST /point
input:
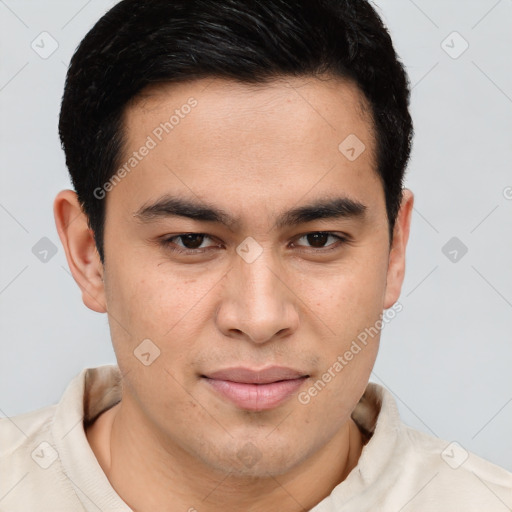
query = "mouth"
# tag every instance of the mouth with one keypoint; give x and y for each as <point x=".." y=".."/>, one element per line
<point x="256" y="390"/>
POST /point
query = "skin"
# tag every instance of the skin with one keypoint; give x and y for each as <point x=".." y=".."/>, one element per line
<point x="173" y="443"/>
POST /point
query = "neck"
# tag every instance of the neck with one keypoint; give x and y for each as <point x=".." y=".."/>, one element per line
<point x="149" y="476"/>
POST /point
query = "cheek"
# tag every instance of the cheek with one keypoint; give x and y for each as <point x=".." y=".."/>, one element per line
<point x="349" y="305"/>
<point x="154" y="300"/>
<point x="350" y="297"/>
<point x="152" y="312"/>
<point x="160" y="304"/>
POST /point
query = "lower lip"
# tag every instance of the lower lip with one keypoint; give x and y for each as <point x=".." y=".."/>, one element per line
<point x="256" y="397"/>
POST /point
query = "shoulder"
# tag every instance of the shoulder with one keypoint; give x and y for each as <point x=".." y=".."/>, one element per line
<point x="32" y="474"/>
<point x="447" y="474"/>
<point x="404" y="469"/>
<point x="18" y="431"/>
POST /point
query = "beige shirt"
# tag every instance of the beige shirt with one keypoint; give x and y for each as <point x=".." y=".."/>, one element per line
<point x="46" y="463"/>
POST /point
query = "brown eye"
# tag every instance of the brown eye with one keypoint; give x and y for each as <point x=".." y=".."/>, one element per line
<point x="320" y="240"/>
<point x="189" y="243"/>
<point x="317" y="239"/>
<point x="192" y="240"/>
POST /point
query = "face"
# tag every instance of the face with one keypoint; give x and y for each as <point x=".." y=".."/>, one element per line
<point x="246" y="248"/>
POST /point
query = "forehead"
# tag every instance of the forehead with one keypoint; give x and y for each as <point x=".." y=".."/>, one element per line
<point x="314" y="102"/>
<point x="221" y="139"/>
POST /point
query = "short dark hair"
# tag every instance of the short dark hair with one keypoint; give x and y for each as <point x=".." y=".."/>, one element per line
<point x="139" y="43"/>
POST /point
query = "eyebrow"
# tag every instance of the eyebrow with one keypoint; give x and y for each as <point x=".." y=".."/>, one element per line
<point x="170" y="206"/>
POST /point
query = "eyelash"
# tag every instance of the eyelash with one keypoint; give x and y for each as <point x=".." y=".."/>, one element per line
<point x="167" y="243"/>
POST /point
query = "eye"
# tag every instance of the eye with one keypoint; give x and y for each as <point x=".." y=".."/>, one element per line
<point x="197" y="243"/>
<point x="320" y="239"/>
<point x="187" y="242"/>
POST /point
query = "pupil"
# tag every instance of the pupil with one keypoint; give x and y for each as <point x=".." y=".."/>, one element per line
<point x="192" y="241"/>
<point x="317" y="239"/>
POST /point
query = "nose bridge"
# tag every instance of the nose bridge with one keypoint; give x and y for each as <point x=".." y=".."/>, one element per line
<point x="258" y="286"/>
<point x="259" y="306"/>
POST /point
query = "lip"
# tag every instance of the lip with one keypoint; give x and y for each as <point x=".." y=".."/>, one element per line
<point x="256" y="390"/>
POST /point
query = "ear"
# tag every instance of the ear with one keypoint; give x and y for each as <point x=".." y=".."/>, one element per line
<point x="78" y="242"/>
<point x="396" y="265"/>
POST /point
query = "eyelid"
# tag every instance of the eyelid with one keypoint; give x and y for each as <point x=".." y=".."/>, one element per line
<point x="341" y="238"/>
<point x="167" y="243"/>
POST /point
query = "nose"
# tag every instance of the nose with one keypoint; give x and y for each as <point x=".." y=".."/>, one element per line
<point x="257" y="304"/>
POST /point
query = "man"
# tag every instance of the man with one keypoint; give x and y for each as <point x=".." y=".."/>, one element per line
<point x="239" y="215"/>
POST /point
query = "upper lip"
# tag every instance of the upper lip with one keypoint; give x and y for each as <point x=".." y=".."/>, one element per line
<point x="249" y="376"/>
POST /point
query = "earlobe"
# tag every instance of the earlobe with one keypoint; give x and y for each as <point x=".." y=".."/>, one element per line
<point x="80" y="248"/>
<point x="396" y="265"/>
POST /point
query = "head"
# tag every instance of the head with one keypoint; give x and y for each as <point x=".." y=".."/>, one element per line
<point x="273" y="137"/>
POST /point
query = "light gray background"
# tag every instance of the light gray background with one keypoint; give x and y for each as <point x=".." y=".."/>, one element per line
<point x="447" y="356"/>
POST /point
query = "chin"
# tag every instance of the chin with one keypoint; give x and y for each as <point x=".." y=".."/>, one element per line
<point x="250" y="462"/>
